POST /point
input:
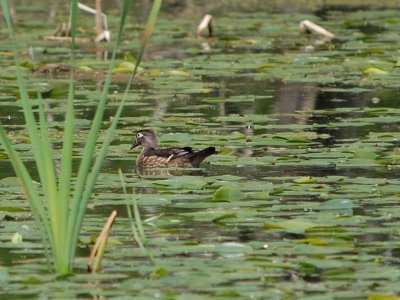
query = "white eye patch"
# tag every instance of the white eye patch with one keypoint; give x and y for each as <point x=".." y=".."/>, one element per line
<point x="139" y="135"/>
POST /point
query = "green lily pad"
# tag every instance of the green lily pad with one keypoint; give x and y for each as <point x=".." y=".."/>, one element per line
<point x="228" y="193"/>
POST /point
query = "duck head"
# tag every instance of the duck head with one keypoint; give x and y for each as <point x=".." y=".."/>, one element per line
<point x="146" y="138"/>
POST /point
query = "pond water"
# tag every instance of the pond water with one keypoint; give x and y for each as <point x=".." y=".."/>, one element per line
<point x="307" y="132"/>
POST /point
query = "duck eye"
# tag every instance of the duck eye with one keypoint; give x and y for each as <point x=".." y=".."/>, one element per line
<point x="139" y="135"/>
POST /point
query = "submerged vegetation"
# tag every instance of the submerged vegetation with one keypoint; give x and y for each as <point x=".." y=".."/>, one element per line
<point x="301" y="200"/>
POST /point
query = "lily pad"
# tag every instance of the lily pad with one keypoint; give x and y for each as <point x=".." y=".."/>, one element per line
<point x="228" y="193"/>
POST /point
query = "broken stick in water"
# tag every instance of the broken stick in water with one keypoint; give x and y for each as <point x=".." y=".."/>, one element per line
<point x="206" y="22"/>
<point x="307" y="26"/>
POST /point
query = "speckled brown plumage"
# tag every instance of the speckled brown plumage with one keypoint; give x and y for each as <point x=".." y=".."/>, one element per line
<point x="152" y="156"/>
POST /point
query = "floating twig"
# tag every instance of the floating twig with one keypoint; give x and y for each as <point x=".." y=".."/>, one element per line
<point x="206" y="22"/>
<point x="307" y="26"/>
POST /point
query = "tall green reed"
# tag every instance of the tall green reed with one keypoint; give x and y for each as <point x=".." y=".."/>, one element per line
<point x="60" y="203"/>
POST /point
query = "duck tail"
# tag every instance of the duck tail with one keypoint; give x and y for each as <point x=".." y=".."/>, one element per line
<point x="198" y="157"/>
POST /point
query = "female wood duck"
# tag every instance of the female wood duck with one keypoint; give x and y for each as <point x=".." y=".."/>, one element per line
<point x="152" y="156"/>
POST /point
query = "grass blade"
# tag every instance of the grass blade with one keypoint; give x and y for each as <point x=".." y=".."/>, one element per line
<point x="59" y="211"/>
<point x="68" y="137"/>
<point x="91" y="179"/>
<point x="98" y="250"/>
<point x="135" y="231"/>
<point x="42" y="165"/>
<point x="84" y="182"/>
<point x="29" y="190"/>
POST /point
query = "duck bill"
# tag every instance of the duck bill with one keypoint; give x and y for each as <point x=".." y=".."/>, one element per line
<point x="134" y="145"/>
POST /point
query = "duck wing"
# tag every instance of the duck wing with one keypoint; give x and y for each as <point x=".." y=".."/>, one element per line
<point x="170" y="153"/>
